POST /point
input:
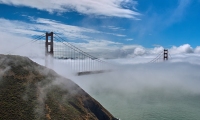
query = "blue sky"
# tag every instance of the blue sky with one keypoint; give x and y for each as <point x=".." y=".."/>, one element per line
<point x="106" y="23"/>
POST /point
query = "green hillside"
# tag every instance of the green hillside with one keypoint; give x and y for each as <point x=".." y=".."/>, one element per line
<point x="29" y="91"/>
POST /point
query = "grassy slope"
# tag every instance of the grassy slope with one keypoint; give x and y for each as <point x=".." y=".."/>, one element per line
<point x="30" y="91"/>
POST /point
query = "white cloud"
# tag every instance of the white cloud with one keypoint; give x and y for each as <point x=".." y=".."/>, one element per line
<point x="197" y="49"/>
<point x="100" y="48"/>
<point x="139" y="51"/>
<point x="119" y="35"/>
<point x="156" y="50"/>
<point x="129" y="39"/>
<point x="69" y="31"/>
<point x="113" y="28"/>
<point x="40" y="25"/>
<point x="19" y="45"/>
<point x="17" y="27"/>
<point x="115" y="34"/>
<point x="113" y="8"/>
<point x="44" y="25"/>
<point x="110" y="49"/>
<point x="186" y="48"/>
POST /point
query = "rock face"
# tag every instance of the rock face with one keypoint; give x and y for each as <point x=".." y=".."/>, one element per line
<point x="29" y="91"/>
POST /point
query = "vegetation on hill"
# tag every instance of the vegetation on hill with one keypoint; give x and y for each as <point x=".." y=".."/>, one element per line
<point x="29" y="91"/>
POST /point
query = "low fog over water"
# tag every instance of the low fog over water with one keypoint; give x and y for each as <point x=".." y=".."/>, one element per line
<point x="138" y="91"/>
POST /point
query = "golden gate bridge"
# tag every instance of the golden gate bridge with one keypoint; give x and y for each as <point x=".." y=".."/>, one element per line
<point x="54" y="46"/>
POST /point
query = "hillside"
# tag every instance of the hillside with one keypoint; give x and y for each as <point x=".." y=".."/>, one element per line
<point x="29" y="91"/>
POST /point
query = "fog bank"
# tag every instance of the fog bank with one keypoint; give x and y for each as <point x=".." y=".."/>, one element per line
<point x="135" y="89"/>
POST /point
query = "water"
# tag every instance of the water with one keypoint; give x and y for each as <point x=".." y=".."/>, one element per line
<point x="154" y="104"/>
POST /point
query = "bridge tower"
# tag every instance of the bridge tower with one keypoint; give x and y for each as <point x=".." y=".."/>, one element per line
<point x="49" y="52"/>
<point x="165" y="55"/>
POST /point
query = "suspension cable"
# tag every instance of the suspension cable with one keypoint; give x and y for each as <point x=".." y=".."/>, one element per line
<point x="78" y="50"/>
<point x="32" y="41"/>
<point x="156" y="58"/>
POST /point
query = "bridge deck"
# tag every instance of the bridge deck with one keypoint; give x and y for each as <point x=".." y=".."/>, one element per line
<point x="92" y="72"/>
